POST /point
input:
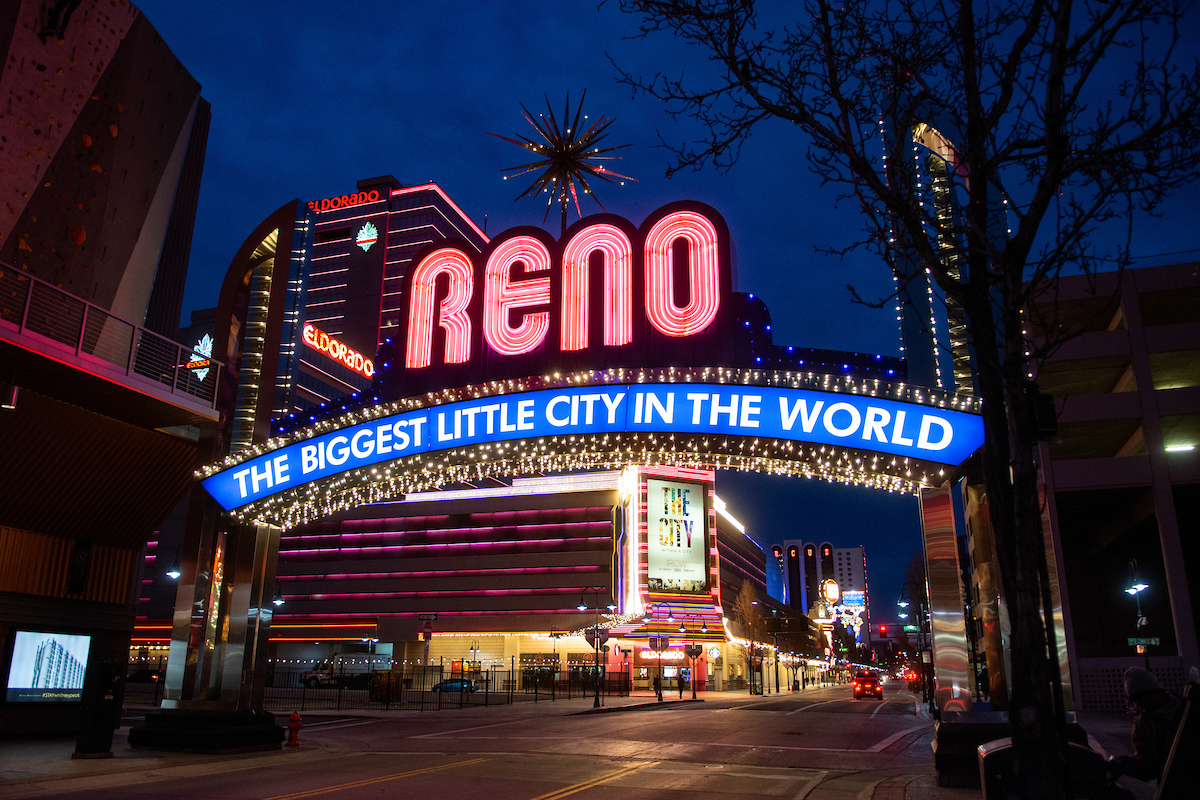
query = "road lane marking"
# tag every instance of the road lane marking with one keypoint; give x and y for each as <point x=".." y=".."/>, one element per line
<point x="872" y="749"/>
<point x="371" y="781"/>
<point x="333" y="726"/>
<point x="579" y="787"/>
<point x="879" y="708"/>
<point x="723" y="774"/>
<point x="464" y="730"/>
<point x="810" y="705"/>
<point x="895" y="737"/>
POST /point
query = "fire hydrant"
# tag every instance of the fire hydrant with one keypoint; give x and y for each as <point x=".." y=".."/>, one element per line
<point x="294" y="726"/>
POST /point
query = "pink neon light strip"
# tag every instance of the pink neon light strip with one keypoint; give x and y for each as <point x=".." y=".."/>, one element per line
<point x="444" y="196"/>
<point x="442" y="573"/>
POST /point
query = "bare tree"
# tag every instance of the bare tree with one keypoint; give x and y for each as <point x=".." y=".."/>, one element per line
<point x="986" y="145"/>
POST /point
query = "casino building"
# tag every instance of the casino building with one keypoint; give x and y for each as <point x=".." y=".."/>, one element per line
<point x="502" y="560"/>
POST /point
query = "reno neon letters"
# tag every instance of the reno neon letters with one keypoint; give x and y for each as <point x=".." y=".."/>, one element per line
<point x="530" y="295"/>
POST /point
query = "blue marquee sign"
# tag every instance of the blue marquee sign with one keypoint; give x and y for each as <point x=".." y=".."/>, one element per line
<point x="892" y="427"/>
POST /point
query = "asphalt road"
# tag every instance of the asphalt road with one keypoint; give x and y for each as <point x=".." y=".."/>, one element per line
<point x="820" y="743"/>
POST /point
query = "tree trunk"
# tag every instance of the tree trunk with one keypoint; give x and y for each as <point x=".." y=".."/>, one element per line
<point x="1011" y="477"/>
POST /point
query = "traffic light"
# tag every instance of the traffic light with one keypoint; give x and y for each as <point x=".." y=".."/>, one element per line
<point x="883" y="631"/>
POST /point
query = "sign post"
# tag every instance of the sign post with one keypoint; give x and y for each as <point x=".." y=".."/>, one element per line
<point x="658" y="644"/>
<point x="426" y="634"/>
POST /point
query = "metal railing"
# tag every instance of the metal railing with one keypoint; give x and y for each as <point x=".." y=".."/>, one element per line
<point x="29" y="305"/>
<point x="404" y="688"/>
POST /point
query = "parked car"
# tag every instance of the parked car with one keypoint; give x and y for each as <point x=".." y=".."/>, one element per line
<point x="455" y="685"/>
<point x="867" y="684"/>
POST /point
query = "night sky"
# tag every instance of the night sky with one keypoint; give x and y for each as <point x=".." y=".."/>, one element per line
<point x="309" y="97"/>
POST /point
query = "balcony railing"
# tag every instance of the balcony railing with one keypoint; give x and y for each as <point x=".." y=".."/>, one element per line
<point x="58" y="320"/>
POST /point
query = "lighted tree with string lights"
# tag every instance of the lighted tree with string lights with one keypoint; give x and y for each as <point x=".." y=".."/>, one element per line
<point x="568" y="158"/>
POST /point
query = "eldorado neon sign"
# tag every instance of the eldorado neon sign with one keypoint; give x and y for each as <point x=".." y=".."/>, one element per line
<point x="828" y="418"/>
<point x="344" y="201"/>
<point x="322" y="342"/>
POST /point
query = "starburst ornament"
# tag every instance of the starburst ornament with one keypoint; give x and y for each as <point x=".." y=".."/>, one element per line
<point x="568" y="158"/>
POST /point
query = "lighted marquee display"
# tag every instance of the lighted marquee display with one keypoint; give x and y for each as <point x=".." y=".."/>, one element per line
<point x="789" y="415"/>
<point x="855" y="600"/>
<point x="601" y="350"/>
<point x="676" y="536"/>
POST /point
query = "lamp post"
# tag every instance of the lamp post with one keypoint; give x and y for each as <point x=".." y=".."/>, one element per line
<point x="903" y="602"/>
<point x="1135" y="588"/>
<point x="596" y="633"/>
<point x="647" y="617"/>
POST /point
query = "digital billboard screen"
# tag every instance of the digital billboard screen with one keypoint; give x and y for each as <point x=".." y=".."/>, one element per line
<point x="47" y="667"/>
<point x="676" y="533"/>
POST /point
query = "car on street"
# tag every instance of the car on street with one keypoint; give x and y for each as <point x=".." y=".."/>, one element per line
<point x="455" y="685"/>
<point x="867" y="684"/>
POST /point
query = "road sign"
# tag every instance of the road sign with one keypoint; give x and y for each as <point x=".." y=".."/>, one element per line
<point x="596" y="636"/>
<point x="427" y="630"/>
<point x="1150" y="641"/>
<point x="429" y="617"/>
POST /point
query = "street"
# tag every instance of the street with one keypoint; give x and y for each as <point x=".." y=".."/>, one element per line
<point x="818" y="743"/>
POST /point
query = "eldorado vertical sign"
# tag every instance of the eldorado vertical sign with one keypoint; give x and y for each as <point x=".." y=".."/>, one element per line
<point x="677" y="536"/>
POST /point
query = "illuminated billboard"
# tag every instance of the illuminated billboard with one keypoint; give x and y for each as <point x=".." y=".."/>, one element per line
<point x="676" y="536"/>
<point x="887" y="426"/>
<point x="854" y="599"/>
<point x="47" y="667"/>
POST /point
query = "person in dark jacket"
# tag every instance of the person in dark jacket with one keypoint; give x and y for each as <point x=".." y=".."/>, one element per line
<point x="1156" y="714"/>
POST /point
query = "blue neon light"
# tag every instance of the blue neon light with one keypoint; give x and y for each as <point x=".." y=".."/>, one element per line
<point x="885" y="426"/>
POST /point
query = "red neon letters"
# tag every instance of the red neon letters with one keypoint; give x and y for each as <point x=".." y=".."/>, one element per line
<point x="322" y="342"/>
<point x="701" y="236"/>
<point x="331" y="203"/>
<point x="453" y="309"/>
<point x="502" y="296"/>
<point x="618" y="286"/>
<point x="517" y="306"/>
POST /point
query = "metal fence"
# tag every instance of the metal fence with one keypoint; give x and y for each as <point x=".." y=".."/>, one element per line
<point x="29" y="305"/>
<point x="407" y="688"/>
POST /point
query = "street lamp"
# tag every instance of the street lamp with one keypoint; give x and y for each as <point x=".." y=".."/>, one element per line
<point x="596" y="633"/>
<point x="903" y="602"/>
<point x="1135" y="588"/>
<point x="647" y="616"/>
<point x="174" y="572"/>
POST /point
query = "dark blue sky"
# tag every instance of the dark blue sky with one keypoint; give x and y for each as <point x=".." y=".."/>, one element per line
<point x="308" y="97"/>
